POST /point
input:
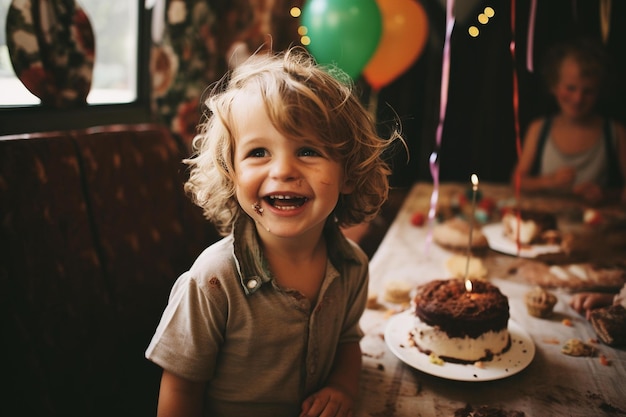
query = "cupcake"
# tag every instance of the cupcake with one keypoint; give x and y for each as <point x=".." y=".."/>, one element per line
<point x="540" y="302"/>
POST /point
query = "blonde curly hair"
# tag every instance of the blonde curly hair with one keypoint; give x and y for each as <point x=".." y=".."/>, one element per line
<point x="300" y="97"/>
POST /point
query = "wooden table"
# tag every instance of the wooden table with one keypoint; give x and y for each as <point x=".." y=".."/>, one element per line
<point x="554" y="384"/>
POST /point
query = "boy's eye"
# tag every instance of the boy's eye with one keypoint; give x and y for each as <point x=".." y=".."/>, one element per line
<point x="257" y="153"/>
<point x="309" y="152"/>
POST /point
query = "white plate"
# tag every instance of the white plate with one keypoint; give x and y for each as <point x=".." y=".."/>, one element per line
<point x="497" y="241"/>
<point x="517" y="358"/>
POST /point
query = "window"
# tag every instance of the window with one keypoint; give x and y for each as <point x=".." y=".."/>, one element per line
<point x="116" y="59"/>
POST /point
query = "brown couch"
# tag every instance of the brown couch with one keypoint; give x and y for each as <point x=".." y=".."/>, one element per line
<point x="94" y="229"/>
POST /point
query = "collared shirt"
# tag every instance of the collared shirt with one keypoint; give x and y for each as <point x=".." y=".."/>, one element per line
<point x="261" y="348"/>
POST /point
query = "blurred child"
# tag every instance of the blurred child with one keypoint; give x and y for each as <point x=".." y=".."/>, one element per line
<point x="576" y="150"/>
<point x="265" y="323"/>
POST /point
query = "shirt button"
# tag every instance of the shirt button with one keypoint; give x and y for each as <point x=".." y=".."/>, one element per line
<point x="252" y="284"/>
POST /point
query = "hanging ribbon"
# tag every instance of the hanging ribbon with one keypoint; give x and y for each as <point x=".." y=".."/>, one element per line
<point x="605" y="19"/>
<point x="518" y="141"/>
<point x="530" y="40"/>
<point x="443" y="104"/>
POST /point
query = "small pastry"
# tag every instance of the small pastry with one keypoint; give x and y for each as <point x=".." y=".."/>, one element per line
<point x="576" y="347"/>
<point x="372" y="300"/>
<point x="454" y="233"/>
<point x="397" y="292"/>
<point x="457" y="264"/>
<point x="540" y="302"/>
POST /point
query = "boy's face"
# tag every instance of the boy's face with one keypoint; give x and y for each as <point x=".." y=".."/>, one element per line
<point x="289" y="186"/>
<point x="575" y="94"/>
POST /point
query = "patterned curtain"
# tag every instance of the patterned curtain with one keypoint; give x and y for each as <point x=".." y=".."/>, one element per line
<point x="194" y="41"/>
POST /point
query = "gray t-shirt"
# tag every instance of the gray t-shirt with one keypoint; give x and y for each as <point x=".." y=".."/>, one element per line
<point x="261" y="349"/>
<point x="591" y="165"/>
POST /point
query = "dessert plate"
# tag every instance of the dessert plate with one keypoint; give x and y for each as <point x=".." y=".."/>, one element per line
<point x="509" y="363"/>
<point x="497" y="241"/>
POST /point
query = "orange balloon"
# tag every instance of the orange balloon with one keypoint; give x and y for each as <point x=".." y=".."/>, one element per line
<point x="405" y="30"/>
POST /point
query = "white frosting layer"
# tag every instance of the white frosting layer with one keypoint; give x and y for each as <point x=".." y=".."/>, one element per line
<point x="432" y="339"/>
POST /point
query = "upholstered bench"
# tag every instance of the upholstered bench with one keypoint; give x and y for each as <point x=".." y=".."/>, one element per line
<point x="94" y="229"/>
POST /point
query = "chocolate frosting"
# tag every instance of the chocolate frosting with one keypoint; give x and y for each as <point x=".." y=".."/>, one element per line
<point x="449" y="306"/>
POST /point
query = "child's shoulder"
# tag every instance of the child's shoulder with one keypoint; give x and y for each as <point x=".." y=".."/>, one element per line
<point x="539" y="128"/>
<point x="214" y="261"/>
<point x="540" y="122"/>
<point x="359" y="253"/>
<point x="537" y="124"/>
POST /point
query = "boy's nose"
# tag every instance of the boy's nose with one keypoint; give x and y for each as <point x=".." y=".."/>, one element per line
<point x="579" y="95"/>
<point x="584" y="95"/>
<point x="284" y="168"/>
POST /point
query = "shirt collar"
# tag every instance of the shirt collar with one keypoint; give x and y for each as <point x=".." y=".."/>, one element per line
<point x="252" y="265"/>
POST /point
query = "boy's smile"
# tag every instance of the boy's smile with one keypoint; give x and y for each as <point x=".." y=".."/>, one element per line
<point x="285" y="202"/>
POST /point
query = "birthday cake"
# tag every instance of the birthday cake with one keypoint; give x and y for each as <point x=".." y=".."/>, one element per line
<point x="461" y="326"/>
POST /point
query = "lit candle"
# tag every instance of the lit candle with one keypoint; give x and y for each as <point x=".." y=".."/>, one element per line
<point x="474" y="179"/>
<point x="469" y="290"/>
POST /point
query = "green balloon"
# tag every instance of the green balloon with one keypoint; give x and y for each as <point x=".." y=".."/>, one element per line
<point x="344" y="33"/>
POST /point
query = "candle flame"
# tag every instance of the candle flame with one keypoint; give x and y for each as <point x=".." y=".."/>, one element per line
<point x="468" y="285"/>
<point x="474" y="179"/>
